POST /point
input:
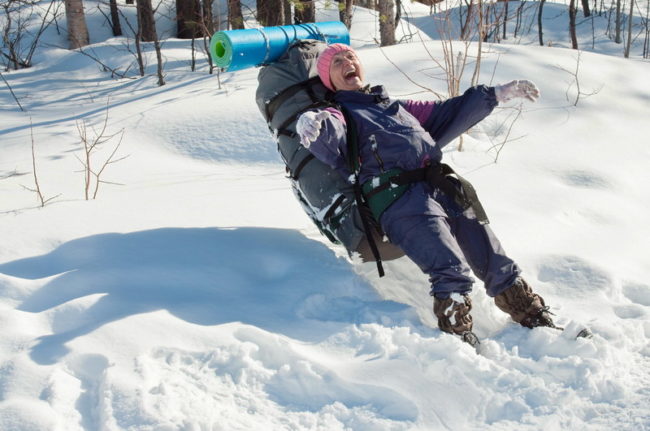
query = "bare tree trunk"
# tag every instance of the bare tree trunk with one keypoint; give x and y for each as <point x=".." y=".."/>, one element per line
<point x="277" y="12"/>
<point x="646" y="40"/>
<point x="345" y="12"/>
<point x="207" y="17"/>
<point x="304" y="11"/>
<point x="618" y="22"/>
<point x="387" y="22"/>
<point x="115" y="19"/>
<point x="235" y="16"/>
<point x="193" y="56"/>
<point x="207" y="24"/>
<point x="146" y="22"/>
<point x="629" y="30"/>
<point x="485" y="14"/>
<point x="287" y="12"/>
<point x="477" y="66"/>
<point x="187" y="19"/>
<point x="519" y="17"/>
<point x="263" y="11"/>
<point x="147" y="33"/>
<point x="585" y="8"/>
<point x="540" y="29"/>
<point x="77" y="29"/>
<point x="572" y="24"/>
<point x="505" y="20"/>
<point x="464" y="33"/>
<point x="398" y="12"/>
<point x="138" y="47"/>
<point x="270" y="12"/>
<point x="159" y="62"/>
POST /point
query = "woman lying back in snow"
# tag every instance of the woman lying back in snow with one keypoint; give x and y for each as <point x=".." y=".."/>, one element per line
<point x="435" y="220"/>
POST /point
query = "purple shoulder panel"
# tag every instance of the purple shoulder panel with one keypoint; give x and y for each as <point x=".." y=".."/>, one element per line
<point x="421" y="110"/>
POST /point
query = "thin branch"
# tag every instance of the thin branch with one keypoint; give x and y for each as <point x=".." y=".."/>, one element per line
<point x="89" y="148"/>
<point x="408" y="77"/>
<point x="38" y="192"/>
<point x="12" y="93"/>
<point x="499" y="147"/>
<point x="106" y="163"/>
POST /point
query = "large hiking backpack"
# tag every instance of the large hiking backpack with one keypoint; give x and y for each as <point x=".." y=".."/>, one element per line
<point x="287" y="88"/>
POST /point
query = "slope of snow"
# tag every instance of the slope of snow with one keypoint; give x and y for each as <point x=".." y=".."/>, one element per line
<point x="194" y="293"/>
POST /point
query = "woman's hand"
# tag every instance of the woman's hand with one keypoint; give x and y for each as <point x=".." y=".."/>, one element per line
<point x="309" y="125"/>
<point x="521" y="88"/>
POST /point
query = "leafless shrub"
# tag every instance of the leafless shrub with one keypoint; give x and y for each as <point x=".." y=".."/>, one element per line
<point x="91" y="145"/>
<point x="37" y="187"/>
<point x="575" y="82"/>
<point x="507" y="124"/>
<point x="19" y="44"/>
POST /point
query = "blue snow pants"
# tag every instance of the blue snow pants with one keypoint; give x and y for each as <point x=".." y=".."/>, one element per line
<point x="447" y="242"/>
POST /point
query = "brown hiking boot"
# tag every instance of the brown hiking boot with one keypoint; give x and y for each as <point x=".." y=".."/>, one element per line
<point x="524" y="306"/>
<point x="454" y="318"/>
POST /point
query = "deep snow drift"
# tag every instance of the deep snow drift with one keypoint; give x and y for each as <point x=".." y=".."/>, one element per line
<point x="194" y="293"/>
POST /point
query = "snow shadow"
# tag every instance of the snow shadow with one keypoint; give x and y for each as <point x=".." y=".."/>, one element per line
<point x="274" y="279"/>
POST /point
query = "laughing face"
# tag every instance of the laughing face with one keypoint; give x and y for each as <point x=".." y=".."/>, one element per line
<point x="346" y="72"/>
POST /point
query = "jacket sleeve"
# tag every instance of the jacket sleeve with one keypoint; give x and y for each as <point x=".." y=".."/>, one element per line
<point x="448" y="119"/>
<point x="330" y="146"/>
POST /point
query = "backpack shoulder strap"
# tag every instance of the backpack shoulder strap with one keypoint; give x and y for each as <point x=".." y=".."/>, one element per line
<point x="279" y="99"/>
<point x="355" y="167"/>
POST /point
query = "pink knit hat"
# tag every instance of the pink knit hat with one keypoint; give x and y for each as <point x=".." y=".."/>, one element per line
<point x="325" y="59"/>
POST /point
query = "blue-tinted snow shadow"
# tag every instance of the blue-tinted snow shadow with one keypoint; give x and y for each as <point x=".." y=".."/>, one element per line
<point x="275" y="279"/>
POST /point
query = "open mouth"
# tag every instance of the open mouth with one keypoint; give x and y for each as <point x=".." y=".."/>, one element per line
<point x="351" y="74"/>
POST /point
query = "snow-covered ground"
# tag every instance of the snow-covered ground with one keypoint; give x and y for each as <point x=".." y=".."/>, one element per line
<point x="195" y="294"/>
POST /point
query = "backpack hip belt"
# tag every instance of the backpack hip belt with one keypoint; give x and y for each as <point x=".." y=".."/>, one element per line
<point x="384" y="189"/>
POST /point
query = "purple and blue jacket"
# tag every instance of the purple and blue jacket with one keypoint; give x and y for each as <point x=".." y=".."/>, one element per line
<point x="444" y="240"/>
<point x="398" y="134"/>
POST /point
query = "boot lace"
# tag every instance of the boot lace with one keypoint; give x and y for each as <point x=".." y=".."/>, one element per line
<point x="541" y="318"/>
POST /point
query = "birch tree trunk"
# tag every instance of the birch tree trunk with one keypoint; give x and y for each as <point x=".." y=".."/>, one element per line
<point x="387" y="22"/>
<point x="77" y="29"/>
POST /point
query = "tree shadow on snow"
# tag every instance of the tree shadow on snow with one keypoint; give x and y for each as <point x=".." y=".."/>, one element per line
<point x="275" y="279"/>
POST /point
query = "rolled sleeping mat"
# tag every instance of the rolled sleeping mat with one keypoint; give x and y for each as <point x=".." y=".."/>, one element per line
<point x="240" y="49"/>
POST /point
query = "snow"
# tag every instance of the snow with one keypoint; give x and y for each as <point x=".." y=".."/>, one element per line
<point x="194" y="294"/>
